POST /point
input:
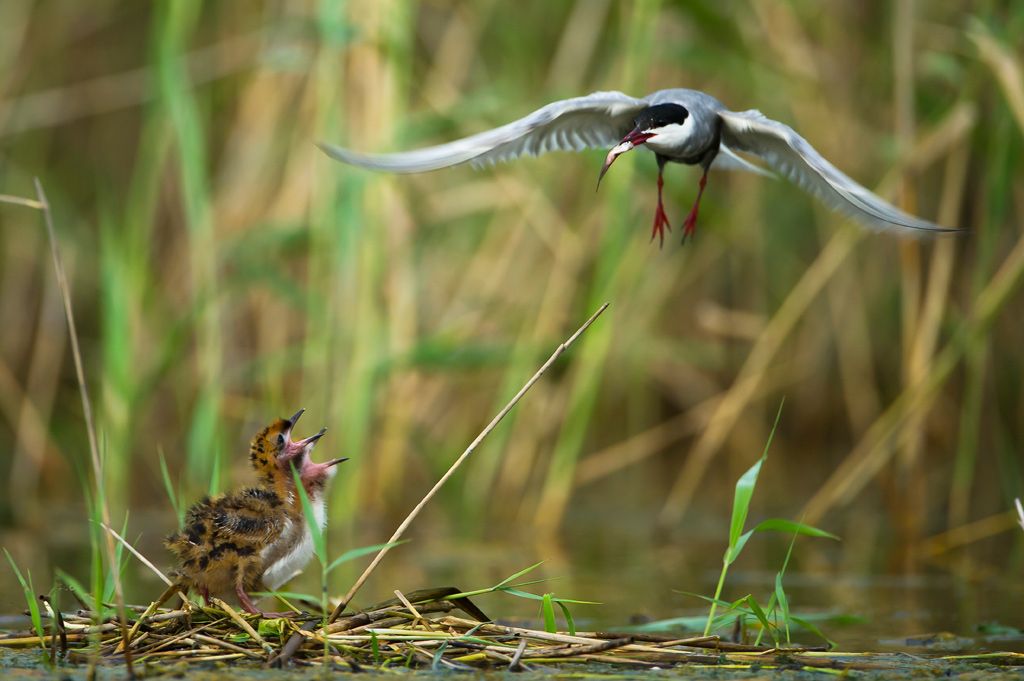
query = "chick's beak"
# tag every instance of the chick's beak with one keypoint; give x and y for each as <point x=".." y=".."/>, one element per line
<point x="293" y="420"/>
<point x="312" y="438"/>
<point x="628" y="142"/>
<point x="297" y="454"/>
<point x="303" y="446"/>
<point x="317" y="471"/>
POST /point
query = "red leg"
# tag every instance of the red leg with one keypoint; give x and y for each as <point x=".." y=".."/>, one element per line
<point x="660" y="219"/>
<point x="691" y="219"/>
<point x="252" y="609"/>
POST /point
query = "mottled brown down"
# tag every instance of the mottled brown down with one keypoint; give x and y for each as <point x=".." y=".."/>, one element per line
<point x="230" y="542"/>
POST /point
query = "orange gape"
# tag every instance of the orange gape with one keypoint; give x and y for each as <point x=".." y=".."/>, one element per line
<point x="255" y="538"/>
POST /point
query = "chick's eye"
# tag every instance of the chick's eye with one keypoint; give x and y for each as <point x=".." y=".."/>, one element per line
<point x="280" y="440"/>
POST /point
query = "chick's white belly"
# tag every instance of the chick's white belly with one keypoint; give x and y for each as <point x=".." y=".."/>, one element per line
<point x="288" y="556"/>
<point x="289" y="563"/>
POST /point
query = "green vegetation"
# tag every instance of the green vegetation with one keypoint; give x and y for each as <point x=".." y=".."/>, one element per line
<point x="548" y="600"/>
<point x="738" y="539"/>
<point x="30" y="598"/>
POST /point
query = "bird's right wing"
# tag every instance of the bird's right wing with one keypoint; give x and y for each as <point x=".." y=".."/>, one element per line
<point x="600" y="119"/>
<point x="784" y="150"/>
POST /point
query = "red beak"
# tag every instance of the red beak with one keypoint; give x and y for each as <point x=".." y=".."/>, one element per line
<point x="297" y="452"/>
<point x="628" y="142"/>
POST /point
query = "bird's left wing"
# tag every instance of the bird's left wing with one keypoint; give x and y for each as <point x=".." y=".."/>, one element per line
<point x="600" y="119"/>
<point x="784" y="150"/>
<point x="249" y="516"/>
<point x="727" y="159"/>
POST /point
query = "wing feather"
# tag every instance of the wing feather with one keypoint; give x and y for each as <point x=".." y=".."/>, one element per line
<point x="600" y="119"/>
<point x="783" y="149"/>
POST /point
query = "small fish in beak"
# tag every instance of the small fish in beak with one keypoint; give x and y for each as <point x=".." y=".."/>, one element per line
<point x="628" y="142"/>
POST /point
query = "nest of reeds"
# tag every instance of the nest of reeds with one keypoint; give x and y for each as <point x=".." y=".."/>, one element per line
<point x="422" y="630"/>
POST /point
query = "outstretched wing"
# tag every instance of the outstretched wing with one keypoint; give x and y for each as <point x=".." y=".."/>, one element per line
<point x="727" y="159"/>
<point x="784" y="150"/>
<point x="600" y="119"/>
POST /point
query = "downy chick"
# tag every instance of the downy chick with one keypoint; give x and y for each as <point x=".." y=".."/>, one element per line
<point x="255" y="538"/>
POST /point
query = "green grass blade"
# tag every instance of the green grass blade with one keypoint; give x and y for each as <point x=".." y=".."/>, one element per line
<point x="741" y="501"/>
<point x="357" y="553"/>
<point x="500" y="586"/>
<point x="319" y="542"/>
<point x="715" y="601"/>
<point x="733" y="552"/>
<point x="814" y="630"/>
<point x="763" y="619"/>
<point x="169" y="487"/>
<point x="375" y="648"/>
<point x="737" y="609"/>
<point x="745" y="490"/>
<point x="435" y="662"/>
<point x="535" y="597"/>
<point x="568" y="617"/>
<point x="76" y="587"/>
<point x="740" y="507"/>
<point x="789" y="551"/>
<point x="120" y="564"/>
<point x="673" y="623"/>
<point x="96" y="565"/>
<point x="33" y="604"/>
<point x="771" y="609"/>
<point x="709" y="599"/>
<point x="548" y="609"/>
<point x="779" y="525"/>
<point x="519" y="574"/>
<point x="506" y="589"/>
<point x="285" y="594"/>
<point x="780" y="596"/>
<point x="532" y="581"/>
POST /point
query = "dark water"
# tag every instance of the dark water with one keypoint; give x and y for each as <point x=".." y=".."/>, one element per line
<point x="635" y="576"/>
<point x="16" y="665"/>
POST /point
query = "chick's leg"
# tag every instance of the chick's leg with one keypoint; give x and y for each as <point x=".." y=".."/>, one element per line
<point x="249" y="570"/>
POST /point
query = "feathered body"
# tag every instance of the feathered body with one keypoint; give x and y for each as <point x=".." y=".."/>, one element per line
<point x="256" y="538"/>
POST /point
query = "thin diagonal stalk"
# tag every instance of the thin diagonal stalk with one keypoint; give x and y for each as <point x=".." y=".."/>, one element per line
<point x="469" y="450"/>
<point x="90" y="425"/>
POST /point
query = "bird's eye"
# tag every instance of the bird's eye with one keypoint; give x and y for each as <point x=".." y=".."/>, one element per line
<point x="280" y="440"/>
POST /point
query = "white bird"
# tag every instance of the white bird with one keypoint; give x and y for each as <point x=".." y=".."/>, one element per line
<point x="679" y="126"/>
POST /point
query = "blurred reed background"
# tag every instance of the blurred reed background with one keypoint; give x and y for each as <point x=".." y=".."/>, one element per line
<point x="225" y="272"/>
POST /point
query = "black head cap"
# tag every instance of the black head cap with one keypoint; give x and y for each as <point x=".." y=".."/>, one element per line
<point x="660" y="115"/>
